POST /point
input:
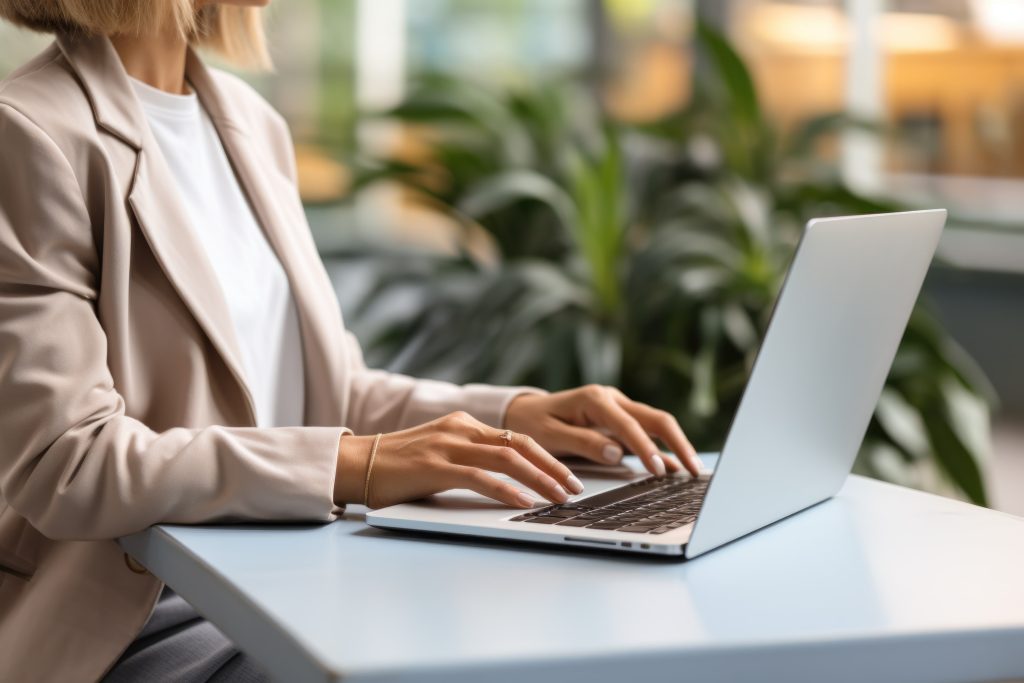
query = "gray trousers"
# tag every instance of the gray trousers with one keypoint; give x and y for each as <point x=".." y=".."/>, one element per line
<point x="178" y="645"/>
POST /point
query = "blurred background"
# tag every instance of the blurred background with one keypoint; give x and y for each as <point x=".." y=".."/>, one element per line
<point x="569" y="191"/>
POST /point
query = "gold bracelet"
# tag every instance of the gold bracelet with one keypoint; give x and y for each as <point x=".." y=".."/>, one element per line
<point x="369" y="470"/>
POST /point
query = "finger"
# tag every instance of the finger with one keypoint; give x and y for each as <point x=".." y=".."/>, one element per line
<point x="475" y="479"/>
<point x="539" y="456"/>
<point x="567" y="439"/>
<point x="508" y="460"/>
<point x="665" y="426"/>
<point x="479" y="433"/>
<point x="609" y="414"/>
<point x="533" y="452"/>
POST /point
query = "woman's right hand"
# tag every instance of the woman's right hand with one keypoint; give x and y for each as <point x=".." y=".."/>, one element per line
<point x="452" y="452"/>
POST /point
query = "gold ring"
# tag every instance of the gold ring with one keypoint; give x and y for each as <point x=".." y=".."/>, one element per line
<point x="506" y="436"/>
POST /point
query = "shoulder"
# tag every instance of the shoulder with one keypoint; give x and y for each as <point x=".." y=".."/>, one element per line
<point x="44" y="94"/>
<point x="266" y="126"/>
<point x="47" y="125"/>
<point x="257" y="114"/>
<point x="45" y="224"/>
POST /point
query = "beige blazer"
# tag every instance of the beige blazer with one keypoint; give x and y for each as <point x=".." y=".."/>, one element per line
<point x="122" y="399"/>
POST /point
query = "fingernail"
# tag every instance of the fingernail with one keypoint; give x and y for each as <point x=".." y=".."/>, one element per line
<point x="575" y="485"/>
<point x="659" y="464"/>
<point x="611" y="454"/>
<point x="524" y="500"/>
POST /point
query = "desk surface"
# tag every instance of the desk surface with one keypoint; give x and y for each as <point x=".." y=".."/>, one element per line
<point x="878" y="583"/>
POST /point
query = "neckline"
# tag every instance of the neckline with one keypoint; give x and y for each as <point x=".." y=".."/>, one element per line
<point x="164" y="103"/>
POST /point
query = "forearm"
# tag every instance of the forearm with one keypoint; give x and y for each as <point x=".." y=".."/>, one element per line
<point x="382" y="401"/>
<point x="123" y="477"/>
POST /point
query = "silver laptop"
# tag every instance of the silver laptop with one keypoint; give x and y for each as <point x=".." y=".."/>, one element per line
<point x="818" y="375"/>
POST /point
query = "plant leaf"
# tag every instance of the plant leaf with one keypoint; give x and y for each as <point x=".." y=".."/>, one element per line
<point x="950" y="452"/>
<point x="733" y="73"/>
<point x="511" y="187"/>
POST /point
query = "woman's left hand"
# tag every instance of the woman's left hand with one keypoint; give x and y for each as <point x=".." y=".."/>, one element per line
<point x="596" y="422"/>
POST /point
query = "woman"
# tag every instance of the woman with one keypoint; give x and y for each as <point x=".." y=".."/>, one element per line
<point x="172" y="349"/>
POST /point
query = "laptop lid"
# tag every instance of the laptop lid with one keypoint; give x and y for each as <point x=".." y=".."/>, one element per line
<point x="829" y="346"/>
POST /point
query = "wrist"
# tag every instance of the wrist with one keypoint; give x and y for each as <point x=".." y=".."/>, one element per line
<point x="350" y="473"/>
<point x="516" y="406"/>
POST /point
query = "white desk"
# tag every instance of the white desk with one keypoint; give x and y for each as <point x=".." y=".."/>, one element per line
<point x="880" y="583"/>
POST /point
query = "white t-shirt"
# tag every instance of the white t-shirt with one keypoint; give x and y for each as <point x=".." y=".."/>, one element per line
<point x="251" y="277"/>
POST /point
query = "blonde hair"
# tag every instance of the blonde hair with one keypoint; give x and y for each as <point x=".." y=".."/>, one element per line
<point x="236" y="33"/>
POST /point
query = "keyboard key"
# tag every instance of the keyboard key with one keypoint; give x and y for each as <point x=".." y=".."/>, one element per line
<point x="604" y="525"/>
<point x="543" y="520"/>
<point x="575" y="521"/>
<point x="561" y="512"/>
<point x="627" y="518"/>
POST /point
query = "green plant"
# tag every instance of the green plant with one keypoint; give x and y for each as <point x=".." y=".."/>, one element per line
<point x="644" y="257"/>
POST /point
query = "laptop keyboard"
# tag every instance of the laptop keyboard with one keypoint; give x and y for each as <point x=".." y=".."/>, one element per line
<point x="655" y="505"/>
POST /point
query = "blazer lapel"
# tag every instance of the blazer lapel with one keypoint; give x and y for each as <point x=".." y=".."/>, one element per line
<point x="269" y="194"/>
<point x="154" y="201"/>
<point x="153" y="197"/>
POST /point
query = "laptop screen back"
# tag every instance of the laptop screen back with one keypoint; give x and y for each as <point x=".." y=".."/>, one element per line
<point x="829" y="347"/>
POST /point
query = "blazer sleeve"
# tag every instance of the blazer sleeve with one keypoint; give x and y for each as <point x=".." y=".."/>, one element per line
<point x="382" y="401"/>
<point x="71" y="461"/>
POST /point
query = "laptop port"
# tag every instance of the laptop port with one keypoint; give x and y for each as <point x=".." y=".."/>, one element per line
<point x="627" y="544"/>
<point x="596" y="541"/>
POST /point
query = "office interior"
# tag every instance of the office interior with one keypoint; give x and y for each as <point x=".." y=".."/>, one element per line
<point x="412" y="119"/>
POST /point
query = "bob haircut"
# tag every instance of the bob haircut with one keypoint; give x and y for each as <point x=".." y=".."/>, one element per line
<point x="235" y="33"/>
